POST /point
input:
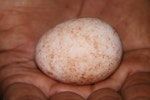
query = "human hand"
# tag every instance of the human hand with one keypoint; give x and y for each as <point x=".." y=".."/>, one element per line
<point x="23" y="22"/>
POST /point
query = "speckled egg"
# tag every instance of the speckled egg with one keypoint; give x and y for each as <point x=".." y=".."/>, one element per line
<point x="79" y="51"/>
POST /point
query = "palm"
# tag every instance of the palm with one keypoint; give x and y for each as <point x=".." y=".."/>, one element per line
<point x="27" y="22"/>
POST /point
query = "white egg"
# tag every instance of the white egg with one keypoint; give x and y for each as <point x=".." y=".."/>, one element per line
<point x="79" y="51"/>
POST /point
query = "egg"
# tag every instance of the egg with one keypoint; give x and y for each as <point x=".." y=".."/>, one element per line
<point x="79" y="51"/>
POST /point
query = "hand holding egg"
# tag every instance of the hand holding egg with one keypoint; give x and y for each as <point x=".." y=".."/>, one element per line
<point x="79" y="51"/>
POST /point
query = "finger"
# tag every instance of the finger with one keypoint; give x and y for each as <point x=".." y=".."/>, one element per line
<point x="137" y="87"/>
<point x="84" y="91"/>
<point x="66" y="96"/>
<point x="15" y="73"/>
<point x="105" y="94"/>
<point x="22" y="91"/>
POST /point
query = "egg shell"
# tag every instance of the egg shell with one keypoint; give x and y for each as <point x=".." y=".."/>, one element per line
<point x="79" y="51"/>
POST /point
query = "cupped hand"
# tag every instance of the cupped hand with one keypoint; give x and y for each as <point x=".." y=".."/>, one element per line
<point x="23" y="22"/>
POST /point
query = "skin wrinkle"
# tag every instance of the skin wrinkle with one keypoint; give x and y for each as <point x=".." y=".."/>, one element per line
<point x="17" y="49"/>
<point x="89" y="3"/>
<point x="24" y="3"/>
<point x="81" y="8"/>
<point x="7" y="21"/>
<point x="22" y="63"/>
<point x="15" y="59"/>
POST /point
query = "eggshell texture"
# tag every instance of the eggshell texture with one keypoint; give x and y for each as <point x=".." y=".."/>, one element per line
<point x="79" y="51"/>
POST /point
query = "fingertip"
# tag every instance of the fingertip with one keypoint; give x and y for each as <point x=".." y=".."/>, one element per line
<point x="66" y="96"/>
<point x="23" y="91"/>
<point x="105" y="94"/>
